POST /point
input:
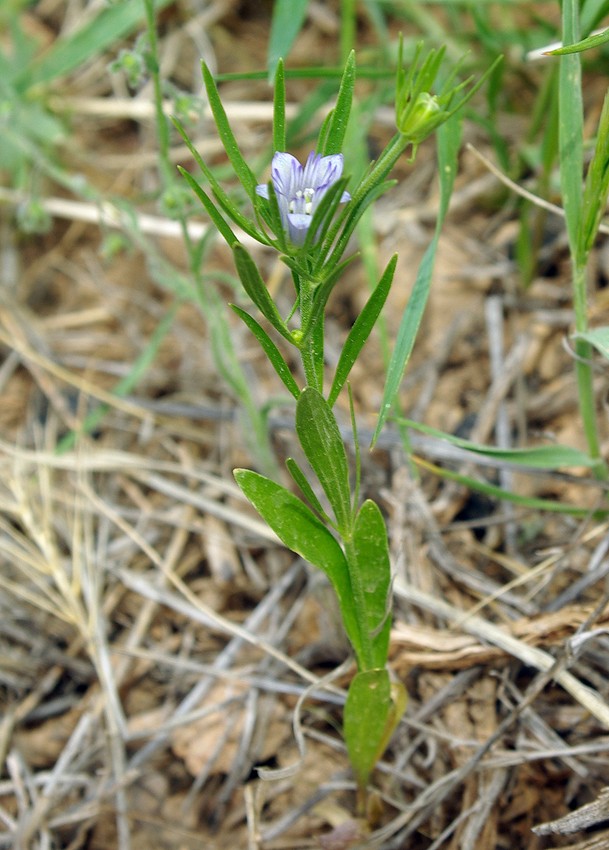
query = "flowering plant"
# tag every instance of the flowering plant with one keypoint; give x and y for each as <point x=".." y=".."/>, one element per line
<point x="307" y="214"/>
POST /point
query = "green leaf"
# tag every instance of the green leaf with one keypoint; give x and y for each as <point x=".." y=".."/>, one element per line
<point x="302" y="532"/>
<point x="361" y="330"/>
<point x="271" y="351"/>
<point x="449" y="140"/>
<point x="323" y="446"/>
<point x="219" y="194"/>
<point x="242" y="169"/>
<point x="365" y="718"/>
<point x="256" y="289"/>
<point x="288" y="18"/>
<point x="370" y="571"/>
<point x="211" y="209"/>
<point x="334" y="133"/>
<point x="279" y="109"/>
<point x="597" y="337"/>
<point x="537" y="457"/>
<point x="531" y="502"/>
<point x="324" y="213"/>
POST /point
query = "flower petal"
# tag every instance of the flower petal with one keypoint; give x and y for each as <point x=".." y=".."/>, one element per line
<point x="263" y="190"/>
<point x="321" y="171"/>
<point x="286" y="173"/>
<point x="298" y="226"/>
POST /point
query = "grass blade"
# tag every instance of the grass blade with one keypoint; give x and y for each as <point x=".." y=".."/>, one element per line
<point x="287" y="21"/>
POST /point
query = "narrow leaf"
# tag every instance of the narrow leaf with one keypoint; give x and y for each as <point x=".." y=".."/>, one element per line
<point x="211" y="209"/>
<point x="531" y="502"/>
<point x="365" y="719"/>
<point x="242" y="169"/>
<point x="307" y="491"/>
<point x="271" y="351"/>
<point x="361" y="330"/>
<point x="323" y="446"/>
<point x="219" y="194"/>
<point x="256" y="289"/>
<point x="594" y="40"/>
<point x="302" y="532"/>
<point x="336" y="129"/>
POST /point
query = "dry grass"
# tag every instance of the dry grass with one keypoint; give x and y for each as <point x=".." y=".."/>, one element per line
<point x="156" y="642"/>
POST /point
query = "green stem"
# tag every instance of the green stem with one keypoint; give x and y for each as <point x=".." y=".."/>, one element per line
<point x="583" y="371"/>
<point x="311" y="356"/>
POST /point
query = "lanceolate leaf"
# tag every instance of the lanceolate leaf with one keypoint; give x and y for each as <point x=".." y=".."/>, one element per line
<point x="361" y="329"/>
<point x="323" y="446"/>
<point x="302" y="532"/>
<point x="271" y="351"/>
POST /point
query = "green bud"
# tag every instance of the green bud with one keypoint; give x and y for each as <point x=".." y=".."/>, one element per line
<point x="417" y="119"/>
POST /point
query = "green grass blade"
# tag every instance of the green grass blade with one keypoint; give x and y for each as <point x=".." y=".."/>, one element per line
<point x="288" y="18"/>
<point x="70" y="52"/>
<point x="279" y="109"/>
<point x="536" y="457"/>
<point x="531" y="502"/>
<point x="570" y="129"/>
<point x="449" y="139"/>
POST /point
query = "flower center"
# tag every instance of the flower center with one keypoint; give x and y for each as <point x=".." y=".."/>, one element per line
<point x="302" y="202"/>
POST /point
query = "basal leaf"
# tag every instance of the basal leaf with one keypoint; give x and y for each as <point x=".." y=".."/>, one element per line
<point x="365" y="719"/>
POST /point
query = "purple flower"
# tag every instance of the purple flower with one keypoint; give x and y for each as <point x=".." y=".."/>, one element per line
<point x="300" y="189"/>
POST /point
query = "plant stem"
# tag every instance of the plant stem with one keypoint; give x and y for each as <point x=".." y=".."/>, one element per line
<point x="583" y="370"/>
